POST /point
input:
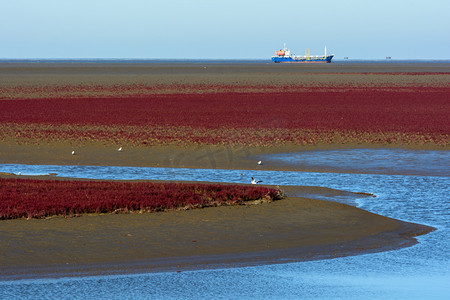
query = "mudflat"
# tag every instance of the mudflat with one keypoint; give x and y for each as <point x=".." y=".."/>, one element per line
<point x="237" y="157"/>
<point x="20" y="80"/>
<point x="292" y="229"/>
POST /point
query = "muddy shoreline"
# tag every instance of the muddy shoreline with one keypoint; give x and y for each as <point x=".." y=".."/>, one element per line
<point x="289" y="230"/>
<point x="171" y="156"/>
<point x="292" y="229"/>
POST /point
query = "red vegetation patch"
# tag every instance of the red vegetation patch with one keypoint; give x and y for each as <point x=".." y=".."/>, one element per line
<point x="32" y="198"/>
<point x="338" y="114"/>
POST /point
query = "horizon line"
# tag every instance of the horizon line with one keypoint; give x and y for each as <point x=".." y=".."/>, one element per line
<point x="94" y="59"/>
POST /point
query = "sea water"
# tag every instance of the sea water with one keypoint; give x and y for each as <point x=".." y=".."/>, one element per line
<point x="376" y="161"/>
<point x="418" y="272"/>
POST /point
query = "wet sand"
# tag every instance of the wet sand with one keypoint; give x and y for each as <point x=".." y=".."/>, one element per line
<point x="171" y="156"/>
<point x="292" y="229"/>
<point x="104" y="79"/>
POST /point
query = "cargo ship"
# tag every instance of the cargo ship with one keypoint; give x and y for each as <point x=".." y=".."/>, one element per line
<point x="285" y="56"/>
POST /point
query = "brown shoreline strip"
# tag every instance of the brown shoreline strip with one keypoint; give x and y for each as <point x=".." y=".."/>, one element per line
<point x="293" y="229"/>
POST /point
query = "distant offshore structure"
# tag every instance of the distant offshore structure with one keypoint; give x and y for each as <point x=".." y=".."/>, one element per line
<point x="284" y="56"/>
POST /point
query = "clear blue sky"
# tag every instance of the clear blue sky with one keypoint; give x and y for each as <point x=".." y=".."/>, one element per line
<point x="228" y="29"/>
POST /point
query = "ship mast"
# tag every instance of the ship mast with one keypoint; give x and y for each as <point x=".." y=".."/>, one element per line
<point x="325" y="51"/>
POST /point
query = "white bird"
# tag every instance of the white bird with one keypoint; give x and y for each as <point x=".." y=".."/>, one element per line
<point x="254" y="181"/>
<point x="259" y="162"/>
<point x="19" y="173"/>
<point x="73" y="152"/>
<point x="120" y="149"/>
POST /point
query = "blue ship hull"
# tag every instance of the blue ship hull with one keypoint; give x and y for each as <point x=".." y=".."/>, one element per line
<point x="302" y="59"/>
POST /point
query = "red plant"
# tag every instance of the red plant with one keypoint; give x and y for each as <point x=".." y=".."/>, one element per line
<point x="33" y="198"/>
<point x="304" y="116"/>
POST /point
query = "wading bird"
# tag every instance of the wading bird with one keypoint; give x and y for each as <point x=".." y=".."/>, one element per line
<point x="259" y="162"/>
<point x="73" y="152"/>
<point x="120" y="149"/>
<point x="254" y="181"/>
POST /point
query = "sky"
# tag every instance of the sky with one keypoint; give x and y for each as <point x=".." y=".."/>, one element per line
<point x="223" y="29"/>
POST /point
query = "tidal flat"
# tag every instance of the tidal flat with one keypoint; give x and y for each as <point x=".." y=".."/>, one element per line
<point x="73" y="107"/>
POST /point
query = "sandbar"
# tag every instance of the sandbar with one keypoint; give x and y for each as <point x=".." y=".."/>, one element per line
<point x="292" y="229"/>
<point x="289" y="230"/>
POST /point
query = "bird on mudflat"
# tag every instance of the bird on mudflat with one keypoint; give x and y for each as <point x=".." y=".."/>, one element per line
<point x="254" y="181"/>
<point x="73" y="152"/>
<point x="259" y="162"/>
<point x="120" y="149"/>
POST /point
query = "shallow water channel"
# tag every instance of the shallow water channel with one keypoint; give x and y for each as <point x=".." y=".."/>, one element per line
<point x="418" y="272"/>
